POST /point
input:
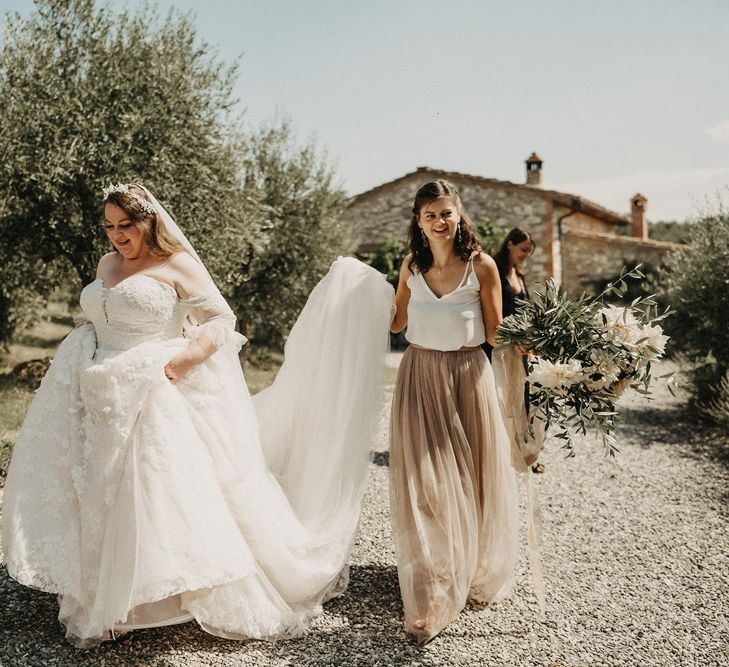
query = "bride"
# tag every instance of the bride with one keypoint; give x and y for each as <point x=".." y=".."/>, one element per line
<point x="145" y="487"/>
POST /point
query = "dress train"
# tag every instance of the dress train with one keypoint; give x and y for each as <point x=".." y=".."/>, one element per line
<point x="143" y="503"/>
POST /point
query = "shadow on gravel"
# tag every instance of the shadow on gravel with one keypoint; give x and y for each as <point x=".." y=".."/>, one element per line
<point x="381" y="458"/>
<point x="26" y="616"/>
<point x="678" y="428"/>
<point x="365" y="629"/>
<point x="369" y="628"/>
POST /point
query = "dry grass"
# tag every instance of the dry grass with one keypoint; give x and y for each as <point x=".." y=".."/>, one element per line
<point x="15" y="397"/>
<point x="260" y="367"/>
<point x="42" y="340"/>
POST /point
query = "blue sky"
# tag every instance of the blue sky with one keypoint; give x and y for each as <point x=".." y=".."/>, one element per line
<point x="616" y="97"/>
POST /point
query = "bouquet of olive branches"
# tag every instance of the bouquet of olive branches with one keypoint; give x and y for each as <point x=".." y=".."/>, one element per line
<point x="585" y="354"/>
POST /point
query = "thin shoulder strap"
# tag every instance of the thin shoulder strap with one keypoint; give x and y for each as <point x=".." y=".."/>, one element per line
<point x="467" y="274"/>
<point x="524" y="287"/>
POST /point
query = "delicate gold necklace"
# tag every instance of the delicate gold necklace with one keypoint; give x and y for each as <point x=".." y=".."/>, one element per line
<point x="440" y="268"/>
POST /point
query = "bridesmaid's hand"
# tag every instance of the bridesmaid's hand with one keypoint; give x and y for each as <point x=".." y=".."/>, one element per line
<point x="531" y="354"/>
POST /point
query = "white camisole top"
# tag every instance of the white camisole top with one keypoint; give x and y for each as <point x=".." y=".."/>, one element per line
<point x="449" y="322"/>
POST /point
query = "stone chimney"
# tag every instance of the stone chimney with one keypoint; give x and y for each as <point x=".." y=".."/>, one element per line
<point x="534" y="170"/>
<point x="637" y="215"/>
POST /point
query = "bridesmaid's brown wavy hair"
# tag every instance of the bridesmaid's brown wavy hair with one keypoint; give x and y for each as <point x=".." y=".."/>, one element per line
<point x="159" y="241"/>
<point x="502" y="256"/>
<point x="464" y="244"/>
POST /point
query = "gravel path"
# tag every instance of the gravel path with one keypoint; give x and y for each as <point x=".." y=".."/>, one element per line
<point x="635" y="558"/>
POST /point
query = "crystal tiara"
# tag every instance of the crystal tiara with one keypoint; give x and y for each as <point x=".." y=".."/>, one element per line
<point x="147" y="205"/>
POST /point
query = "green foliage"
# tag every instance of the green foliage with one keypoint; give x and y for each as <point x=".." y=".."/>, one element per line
<point x="388" y="258"/>
<point x="489" y="234"/>
<point x="24" y="288"/>
<point x="6" y="449"/>
<point x="89" y="98"/>
<point x="718" y="407"/>
<point x="302" y="232"/>
<point x="587" y="354"/>
<point x="670" y="231"/>
<point x="637" y="283"/>
<point x="15" y="398"/>
<point x="695" y="282"/>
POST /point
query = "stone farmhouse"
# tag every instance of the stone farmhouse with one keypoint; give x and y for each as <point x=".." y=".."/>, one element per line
<point x="578" y="242"/>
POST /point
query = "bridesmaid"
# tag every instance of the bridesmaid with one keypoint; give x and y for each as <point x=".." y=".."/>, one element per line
<point x="516" y="248"/>
<point x="452" y="485"/>
<point x="514" y="251"/>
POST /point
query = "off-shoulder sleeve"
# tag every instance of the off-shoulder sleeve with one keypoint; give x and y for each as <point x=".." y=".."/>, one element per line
<point x="208" y="312"/>
<point x="212" y="317"/>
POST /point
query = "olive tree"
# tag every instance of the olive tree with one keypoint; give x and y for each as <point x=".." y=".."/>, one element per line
<point x="90" y="97"/>
<point x="302" y="233"/>
<point x="695" y="282"/>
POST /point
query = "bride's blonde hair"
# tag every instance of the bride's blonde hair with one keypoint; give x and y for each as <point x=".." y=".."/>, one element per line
<point x="134" y="202"/>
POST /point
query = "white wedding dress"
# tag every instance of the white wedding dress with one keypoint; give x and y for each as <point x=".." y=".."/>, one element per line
<point x="142" y="503"/>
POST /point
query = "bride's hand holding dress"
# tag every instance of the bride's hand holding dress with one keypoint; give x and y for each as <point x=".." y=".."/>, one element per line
<point x="139" y="490"/>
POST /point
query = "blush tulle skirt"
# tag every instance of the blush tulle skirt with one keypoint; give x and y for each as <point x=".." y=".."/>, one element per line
<point x="452" y="488"/>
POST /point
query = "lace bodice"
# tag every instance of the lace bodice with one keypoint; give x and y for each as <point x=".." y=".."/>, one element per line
<point x="143" y="309"/>
<point x="137" y="310"/>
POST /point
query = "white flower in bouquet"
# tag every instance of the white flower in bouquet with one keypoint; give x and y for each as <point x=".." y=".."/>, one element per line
<point x="602" y="372"/>
<point x="555" y="376"/>
<point x="609" y="348"/>
<point x="620" y="324"/>
<point x="655" y="339"/>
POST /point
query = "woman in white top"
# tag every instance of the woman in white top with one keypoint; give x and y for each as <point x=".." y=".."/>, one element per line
<point x="452" y="485"/>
